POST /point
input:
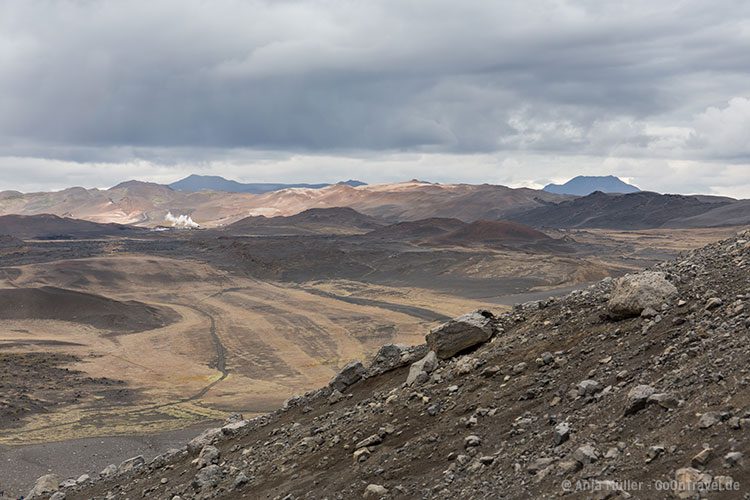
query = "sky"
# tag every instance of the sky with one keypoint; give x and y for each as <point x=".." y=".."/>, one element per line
<point x="94" y="92"/>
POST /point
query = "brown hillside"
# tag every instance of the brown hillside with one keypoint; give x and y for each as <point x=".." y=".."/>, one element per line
<point x="485" y="232"/>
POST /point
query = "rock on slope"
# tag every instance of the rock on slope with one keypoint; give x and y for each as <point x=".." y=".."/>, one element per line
<point x="560" y="398"/>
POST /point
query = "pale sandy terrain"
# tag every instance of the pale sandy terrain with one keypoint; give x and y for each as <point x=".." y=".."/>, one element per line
<point x="240" y="344"/>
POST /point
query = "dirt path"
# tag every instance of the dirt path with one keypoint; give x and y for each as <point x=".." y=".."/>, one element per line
<point x="221" y="355"/>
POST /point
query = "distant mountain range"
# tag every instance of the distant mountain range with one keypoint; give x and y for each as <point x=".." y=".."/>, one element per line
<point x="194" y="183"/>
<point x="146" y="204"/>
<point x="584" y="185"/>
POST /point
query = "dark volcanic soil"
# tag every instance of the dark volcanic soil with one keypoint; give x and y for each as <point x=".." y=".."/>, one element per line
<point x="68" y="305"/>
<point x="47" y="226"/>
<point x="39" y="382"/>
<point x="622" y="211"/>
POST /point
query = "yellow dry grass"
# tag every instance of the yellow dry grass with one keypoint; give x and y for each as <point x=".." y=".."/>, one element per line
<point x="278" y="341"/>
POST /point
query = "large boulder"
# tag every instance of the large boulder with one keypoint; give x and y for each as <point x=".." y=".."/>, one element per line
<point x="351" y="373"/>
<point x="635" y="292"/>
<point x="207" y="477"/>
<point x="392" y="356"/>
<point x="131" y="464"/>
<point x="419" y="371"/>
<point x="44" y="486"/>
<point x="206" y="437"/>
<point x="460" y="334"/>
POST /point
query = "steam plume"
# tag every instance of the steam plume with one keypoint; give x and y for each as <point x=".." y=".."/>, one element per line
<point x="181" y="221"/>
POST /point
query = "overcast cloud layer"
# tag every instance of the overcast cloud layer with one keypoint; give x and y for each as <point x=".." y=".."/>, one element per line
<point x="520" y="93"/>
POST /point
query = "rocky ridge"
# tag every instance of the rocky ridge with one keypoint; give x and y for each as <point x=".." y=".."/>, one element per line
<point x="575" y="397"/>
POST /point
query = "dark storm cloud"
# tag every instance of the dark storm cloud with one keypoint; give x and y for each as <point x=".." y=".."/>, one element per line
<point x="115" y="81"/>
<point x="323" y="75"/>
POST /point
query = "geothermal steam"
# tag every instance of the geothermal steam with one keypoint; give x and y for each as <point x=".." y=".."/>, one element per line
<point x="181" y="221"/>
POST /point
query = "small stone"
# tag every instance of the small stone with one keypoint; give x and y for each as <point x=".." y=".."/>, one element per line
<point x="335" y="397"/>
<point x="131" y="464"/>
<point x="586" y="454"/>
<point x="612" y="453"/>
<point x="732" y="459"/>
<point x="373" y="440"/>
<point x="649" y="312"/>
<point x="375" y="491"/>
<point x="589" y="387"/>
<point x="208" y="455"/>
<point x="713" y="303"/>
<point x="562" y="433"/>
<point x="472" y="441"/>
<point x="702" y="458"/>
<point x="465" y="365"/>
<point x="418" y="373"/>
<point x="539" y="464"/>
<point x="109" y="471"/>
<point x="654" y="452"/>
<point x="240" y="480"/>
<point x="666" y="401"/>
<point x="362" y="454"/>
<point x="638" y="398"/>
<point x="708" y="419"/>
<point x="569" y="466"/>
<point x="519" y="368"/>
